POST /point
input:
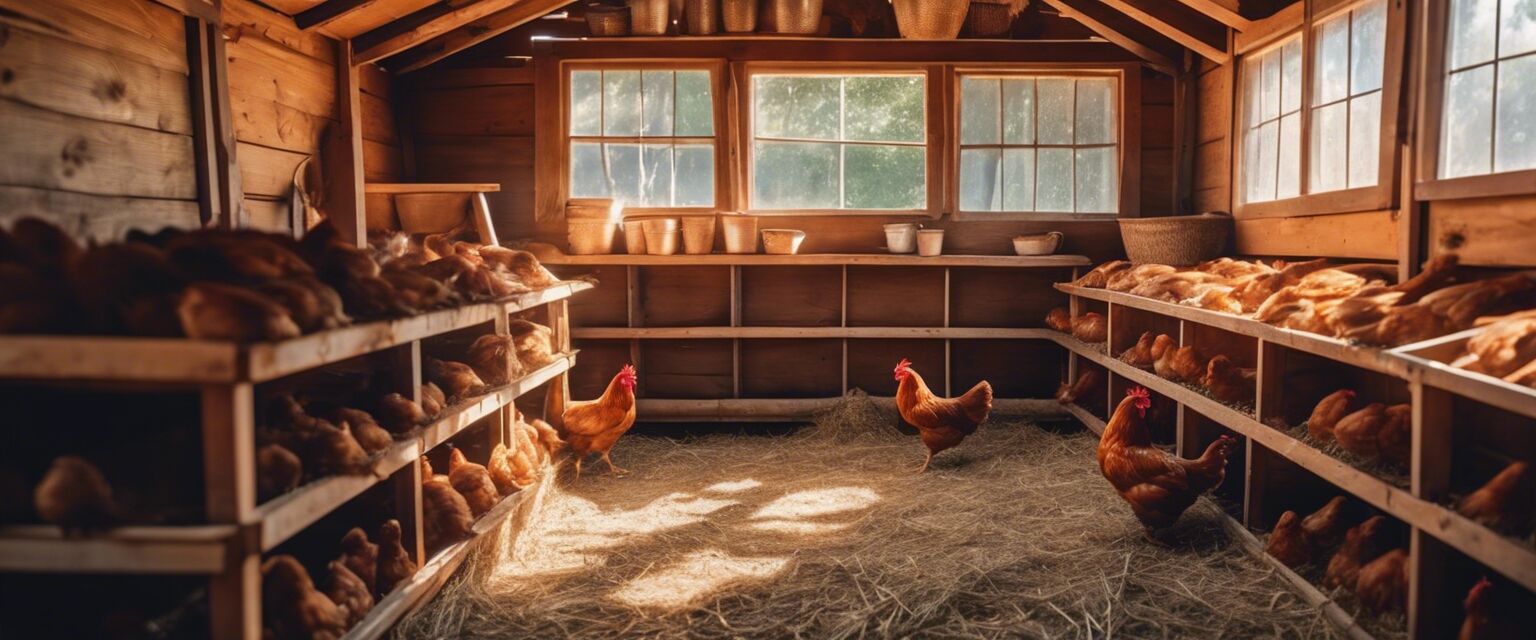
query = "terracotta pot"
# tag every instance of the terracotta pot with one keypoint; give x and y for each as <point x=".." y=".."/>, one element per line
<point x="901" y="237"/>
<point x="634" y="237"/>
<point x="661" y="236"/>
<point x="740" y="233"/>
<point x="930" y="19"/>
<point x="930" y="242"/>
<point x="591" y="237"/>
<point x="698" y="235"/>
<point x="782" y="242"/>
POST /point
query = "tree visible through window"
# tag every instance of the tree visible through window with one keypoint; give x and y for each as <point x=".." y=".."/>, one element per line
<point x="1039" y="143"/>
<point x="839" y="142"/>
<point x="1272" y="123"/>
<point x="645" y="137"/>
<point x="1490" y="88"/>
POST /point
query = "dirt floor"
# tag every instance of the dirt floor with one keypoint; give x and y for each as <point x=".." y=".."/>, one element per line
<point x="826" y="532"/>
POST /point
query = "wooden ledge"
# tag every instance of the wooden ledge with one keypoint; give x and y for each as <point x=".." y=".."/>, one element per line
<point x="430" y="187"/>
<point x="874" y="259"/>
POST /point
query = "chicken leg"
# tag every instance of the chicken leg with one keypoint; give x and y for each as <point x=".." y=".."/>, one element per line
<point x="612" y="468"/>
<point x="925" y="462"/>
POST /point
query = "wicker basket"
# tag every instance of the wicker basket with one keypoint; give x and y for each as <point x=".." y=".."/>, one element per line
<point x="605" y="21"/>
<point x="989" y="18"/>
<point x="930" y="19"/>
<point x="1178" y="240"/>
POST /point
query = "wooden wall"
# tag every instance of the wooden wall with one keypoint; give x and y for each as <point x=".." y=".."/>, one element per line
<point x="97" y="131"/>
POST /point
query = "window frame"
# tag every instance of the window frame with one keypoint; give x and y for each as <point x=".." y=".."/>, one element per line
<point x="1381" y="196"/>
<point x="717" y="70"/>
<point x="1429" y="185"/>
<point x="1127" y="141"/>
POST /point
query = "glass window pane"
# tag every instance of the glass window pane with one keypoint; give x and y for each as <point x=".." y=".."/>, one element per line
<point x="1330" y="128"/>
<point x="1332" y="63"/>
<point x="1290" y="80"/>
<point x="656" y="175"/>
<point x="1056" y="110"/>
<point x="797" y="107"/>
<point x="1517" y="28"/>
<point x="980" y="180"/>
<point x="794" y="175"/>
<point x="883" y="177"/>
<point x="656" y="103"/>
<point x="884" y="109"/>
<point x="1018" y="111"/>
<point x="1471" y="32"/>
<point x="588" y="178"/>
<point x="1019" y="180"/>
<point x="1364" y="139"/>
<point x="624" y="175"/>
<point x="1271" y="78"/>
<point x="695" y="175"/>
<point x="1467" y="133"/>
<point x="979" y="109"/>
<point x="1368" y="40"/>
<point x="1252" y="180"/>
<point x="1288" y="180"/>
<point x="695" y="105"/>
<point x="1053" y="184"/>
<point x="1096" y="180"/>
<point x="621" y="103"/>
<point x="586" y="103"/>
<point x="1253" y="93"/>
<point x="1095" y="111"/>
<point x="1269" y="142"/>
<point x="1515" y="145"/>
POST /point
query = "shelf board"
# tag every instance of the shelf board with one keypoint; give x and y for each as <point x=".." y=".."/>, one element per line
<point x="686" y="333"/>
<point x="525" y="301"/>
<point x="796" y="409"/>
<point x="199" y="550"/>
<point x="1308" y="591"/>
<point x="430" y="187"/>
<point x="1092" y="422"/>
<point x="1430" y="360"/>
<point x="458" y="418"/>
<point x="876" y="259"/>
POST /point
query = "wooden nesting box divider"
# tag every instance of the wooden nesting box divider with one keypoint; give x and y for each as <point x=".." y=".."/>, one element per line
<point x="232" y="380"/>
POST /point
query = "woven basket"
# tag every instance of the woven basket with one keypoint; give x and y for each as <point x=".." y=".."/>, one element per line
<point x="606" y="21"/>
<point x="988" y="18"/>
<point x="1178" y="240"/>
<point x="930" y="19"/>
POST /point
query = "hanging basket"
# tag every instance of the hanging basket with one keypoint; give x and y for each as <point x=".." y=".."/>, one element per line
<point x="1176" y="240"/>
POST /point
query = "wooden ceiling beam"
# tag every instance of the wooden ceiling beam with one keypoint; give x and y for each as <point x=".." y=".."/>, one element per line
<point x="472" y="34"/>
<point x="1124" y="32"/>
<point x="327" y="11"/>
<point x="1180" y="24"/>
<point x="420" y="27"/>
<point x="1220" y="13"/>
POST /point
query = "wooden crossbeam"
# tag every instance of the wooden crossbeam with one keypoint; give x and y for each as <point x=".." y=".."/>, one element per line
<point x="327" y="11"/>
<point x="472" y="34"/>
<point x="1179" y="23"/>
<point x="1220" y="13"/>
<point x="419" y="27"/>
<point x="1122" y="31"/>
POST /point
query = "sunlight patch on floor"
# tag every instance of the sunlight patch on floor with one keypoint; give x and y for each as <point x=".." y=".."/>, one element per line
<point x="737" y="486"/>
<point x="694" y="577"/>
<point x="817" y="502"/>
<point x="799" y="527"/>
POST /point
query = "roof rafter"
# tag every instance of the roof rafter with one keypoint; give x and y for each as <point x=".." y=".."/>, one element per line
<point x="421" y="26"/>
<point x="1179" y="23"/>
<point x="472" y="34"/>
<point x="1124" y="32"/>
<point x="327" y="11"/>
<point x="1220" y="13"/>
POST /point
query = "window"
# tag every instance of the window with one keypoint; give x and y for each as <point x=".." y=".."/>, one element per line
<point x="1271" y="165"/>
<point x="643" y="136"/>
<point x="856" y="142"/>
<point x="1345" y="145"/>
<point x="1039" y="144"/>
<point x="1489" y="108"/>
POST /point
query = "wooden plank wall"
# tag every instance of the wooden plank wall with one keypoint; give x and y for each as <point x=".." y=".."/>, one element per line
<point x="97" y="132"/>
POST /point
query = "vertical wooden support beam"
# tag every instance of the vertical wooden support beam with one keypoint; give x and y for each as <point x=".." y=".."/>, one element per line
<point x="735" y="322"/>
<point x="1431" y="463"/>
<point x="481" y="213"/>
<point x="1271" y="382"/>
<point x="407" y="489"/>
<point x="1433" y="609"/>
<point x="213" y="133"/>
<point x="234" y="596"/>
<point x="1183" y="440"/>
<point x="559" y="390"/>
<point x="1254" y="481"/>
<point x="404" y="364"/>
<point x="636" y="319"/>
<point x="229" y="434"/>
<point x="345" y="172"/>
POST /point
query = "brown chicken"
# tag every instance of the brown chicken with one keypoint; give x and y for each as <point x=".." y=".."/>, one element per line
<point x="1158" y="485"/>
<point x="1325" y="527"/>
<point x="494" y="359"/>
<point x="1383" y="583"/>
<point x="1288" y="543"/>
<point x="457" y="379"/>
<point x="399" y="414"/>
<point x="278" y="471"/>
<point x="372" y="437"/>
<point x="523" y="459"/>
<point x="941" y="422"/>
<point x="446" y="516"/>
<point x="1059" y="319"/>
<point x="473" y="482"/>
<point x="291" y="605"/>
<point x="1098" y="278"/>
<point x="548" y="437"/>
<point x="127" y="288"/>
<point x="534" y="342"/>
<point x="349" y="592"/>
<point x="1504" y="502"/>
<point x="1491" y="615"/>
<point x="523" y="266"/>
<point x="1328" y="412"/>
<point x="433" y="400"/>
<point x="1362" y="544"/>
<point x="1088" y="383"/>
<point x="1127" y="279"/>
<point x="1090" y="327"/>
<point x="312" y="304"/>
<point x="74" y="495"/>
<point x="500" y="470"/>
<point x="333" y="450"/>
<point x="1163" y="349"/>
<point x="212" y="311"/>
<point x="395" y="565"/>
<point x="1505" y="345"/>
<point x="1377" y="431"/>
<point x="419" y="291"/>
<point x="594" y="426"/>
<point x="361" y="557"/>
<point x="1229" y="382"/>
<point x="1140" y="355"/>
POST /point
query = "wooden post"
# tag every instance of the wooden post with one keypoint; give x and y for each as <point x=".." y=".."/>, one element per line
<point x="405" y="369"/>
<point x="1271" y="382"/>
<point x="1433" y="608"/>
<point x="1256" y="476"/>
<point x="229" y="472"/>
<point x="1431" y="462"/>
<point x="218" y="175"/>
<point x="345" y="172"/>
<point x="406" y="485"/>
<point x="234" y="596"/>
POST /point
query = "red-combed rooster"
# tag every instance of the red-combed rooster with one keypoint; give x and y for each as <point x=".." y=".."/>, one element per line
<point x="1158" y="485"/>
<point x="941" y="422"/>
<point x="595" y="425"/>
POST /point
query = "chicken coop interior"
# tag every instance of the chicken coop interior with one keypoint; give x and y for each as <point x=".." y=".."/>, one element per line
<point x="326" y="319"/>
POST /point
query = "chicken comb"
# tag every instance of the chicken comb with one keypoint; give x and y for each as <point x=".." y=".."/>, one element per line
<point x="628" y="372"/>
<point x="1477" y="591"/>
<point x="904" y="364"/>
<point x="1143" y="399"/>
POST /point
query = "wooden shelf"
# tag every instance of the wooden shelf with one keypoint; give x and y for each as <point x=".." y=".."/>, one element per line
<point x="428" y="187"/>
<point x="1429" y="361"/>
<point x="874" y="259"/>
<point x="1093" y="422"/>
<point x="199" y="550"/>
<point x="456" y="419"/>
<point x="1308" y="591"/>
<point x="768" y="333"/>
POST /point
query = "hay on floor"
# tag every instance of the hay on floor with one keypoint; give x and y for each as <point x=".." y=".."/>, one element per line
<point x="827" y="533"/>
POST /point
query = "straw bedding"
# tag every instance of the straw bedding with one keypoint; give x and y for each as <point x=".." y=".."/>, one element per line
<point x="827" y="533"/>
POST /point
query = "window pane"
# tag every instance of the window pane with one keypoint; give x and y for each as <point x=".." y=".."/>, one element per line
<point x="1018" y="179"/>
<point x="621" y="103"/>
<point x="1472" y="31"/>
<point x="1253" y="93"/>
<point x="1517" y="28"/>
<point x="1095" y="111"/>
<point x="1330" y="128"/>
<point x="1332" y="64"/>
<point x="883" y="177"/>
<point x="656" y="103"/>
<point x="586" y="103"/>
<point x="695" y="175"/>
<point x="1252" y="180"/>
<point x="797" y="107"/>
<point x="1053" y="185"/>
<point x="1288" y="180"/>
<point x="1368" y="39"/>
<point x="695" y="106"/>
<point x="1269" y="141"/>
<point x="624" y="171"/>
<point x="656" y="175"/>
<point x="1364" y="139"/>
<point x="1270" y="99"/>
<point x="588" y="179"/>
<point x="979" y="110"/>
<point x="1290" y="80"/>
<point x="1467" y="133"/>
<point x="1515" y="146"/>
<point x="1096" y="180"/>
<point x="1055" y="95"/>
<point x="979" y="180"/>
<point x="884" y="109"/>
<point x="794" y="175"/>
<point x="1018" y="111"/>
